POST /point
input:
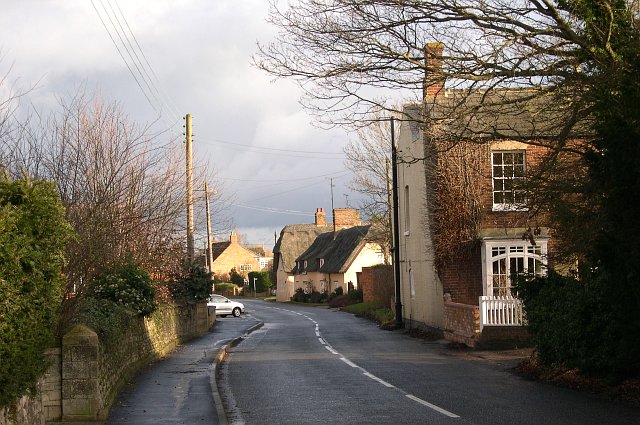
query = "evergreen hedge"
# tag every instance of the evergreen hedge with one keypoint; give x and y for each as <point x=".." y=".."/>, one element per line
<point x="33" y="234"/>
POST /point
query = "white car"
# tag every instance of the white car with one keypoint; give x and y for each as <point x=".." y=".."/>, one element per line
<point x="224" y="306"/>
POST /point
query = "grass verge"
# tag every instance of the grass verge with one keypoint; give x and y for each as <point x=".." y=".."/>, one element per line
<point x="371" y="310"/>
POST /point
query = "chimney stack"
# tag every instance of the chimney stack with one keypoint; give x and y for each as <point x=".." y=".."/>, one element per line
<point x="433" y="77"/>
<point x="233" y="238"/>
<point x="321" y="217"/>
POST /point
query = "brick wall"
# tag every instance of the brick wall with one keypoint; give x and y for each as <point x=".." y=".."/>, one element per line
<point x="462" y="276"/>
<point x="377" y="284"/>
<point x="504" y="337"/>
<point x="461" y="323"/>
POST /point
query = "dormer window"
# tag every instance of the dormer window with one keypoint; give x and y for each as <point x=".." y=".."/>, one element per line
<point x="508" y="178"/>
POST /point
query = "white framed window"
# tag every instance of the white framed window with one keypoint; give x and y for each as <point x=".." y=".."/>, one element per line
<point x="508" y="177"/>
<point x="504" y="258"/>
<point x="321" y="261"/>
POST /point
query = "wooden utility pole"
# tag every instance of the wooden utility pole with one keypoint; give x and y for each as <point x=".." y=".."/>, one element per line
<point x="190" y="227"/>
<point x="209" y="250"/>
<point x="390" y="212"/>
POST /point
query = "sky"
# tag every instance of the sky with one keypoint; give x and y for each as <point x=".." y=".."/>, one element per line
<point x="274" y="164"/>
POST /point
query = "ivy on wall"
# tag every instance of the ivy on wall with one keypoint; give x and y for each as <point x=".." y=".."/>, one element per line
<point x="33" y="234"/>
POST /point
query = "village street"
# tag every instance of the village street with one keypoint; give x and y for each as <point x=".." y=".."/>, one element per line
<point x="310" y="365"/>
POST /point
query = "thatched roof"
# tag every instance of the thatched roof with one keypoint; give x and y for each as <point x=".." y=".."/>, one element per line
<point x="294" y="240"/>
<point x="337" y="253"/>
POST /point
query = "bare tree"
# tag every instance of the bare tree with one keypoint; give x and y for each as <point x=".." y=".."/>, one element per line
<point x="123" y="187"/>
<point x="368" y="158"/>
<point x="352" y="58"/>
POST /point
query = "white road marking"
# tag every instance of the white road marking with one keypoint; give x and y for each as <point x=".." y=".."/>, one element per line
<point x="370" y="375"/>
<point x="330" y="349"/>
<point x="349" y="362"/>
<point x="375" y="378"/>
<point x="432" y="406"/>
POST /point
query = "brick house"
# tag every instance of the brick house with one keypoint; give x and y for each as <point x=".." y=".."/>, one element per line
<point x="464" y="221"/>
<point x="296" y="238"/>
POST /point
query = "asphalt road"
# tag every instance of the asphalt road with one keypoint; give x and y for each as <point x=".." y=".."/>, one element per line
<point x="311" y="365"/>
<point x="177" y="389"/>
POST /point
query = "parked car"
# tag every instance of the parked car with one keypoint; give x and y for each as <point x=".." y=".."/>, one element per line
<point x="224" y="306"/>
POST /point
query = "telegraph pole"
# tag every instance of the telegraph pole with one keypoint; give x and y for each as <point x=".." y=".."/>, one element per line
<point x="396" y="234"/>
<point x="189" y="164"/>
<point x="209" y="250"/>
<point x="390" y="211"/>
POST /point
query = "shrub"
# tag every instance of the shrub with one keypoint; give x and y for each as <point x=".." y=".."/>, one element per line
<point x="355" y="295"/>
<point x="299" y="296"/>
<point x="337" y="292"/>
<point x="317" y="297"/>
<point x="126" y="284"/>
<point x="236" y="277"/>
<point x="196" y="285"/>
<point x="225" y="288"/>
<point x="107" y="318"/>
<point x="33" y="235"/>
<point x="262" y="281"/>
<point x="574" y="323"/>
<point x="339" y="301"/>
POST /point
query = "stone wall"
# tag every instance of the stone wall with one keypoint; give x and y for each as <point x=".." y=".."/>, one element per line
<point x="461" y="323"/>
<point x="86" y="374"/>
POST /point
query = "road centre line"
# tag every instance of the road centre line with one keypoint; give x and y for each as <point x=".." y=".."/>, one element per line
<point x="331" y="349"/>
<point x="432" y="406"/>
<point x="350" y="363"/>
<point x="373" y="377"/>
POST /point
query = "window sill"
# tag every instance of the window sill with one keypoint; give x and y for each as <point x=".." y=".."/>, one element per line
<point x="509" y="207"/>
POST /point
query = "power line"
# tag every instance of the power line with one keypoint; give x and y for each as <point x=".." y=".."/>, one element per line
<point x="142" y="76"/>
<point x="273" y="149"/>
<point x="345" y="171"/>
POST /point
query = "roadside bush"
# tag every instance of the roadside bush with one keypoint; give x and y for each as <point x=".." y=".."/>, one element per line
<point x="262" y="281"/>
<point x="33" y="235"/>
<point x="336" y="293"/>
<point x="225" y="288"/>
<point x="299" y="296"/>
<point x="108" y="319"/>
<point x="574" y="324"/>
<point x="355" y="295"/>
<point x="339" y="301"/>
<point x="317" y="297"/>
<point x="126" y="284"/>
<point x="236" y="278"/>
<point x="195" y="286"/>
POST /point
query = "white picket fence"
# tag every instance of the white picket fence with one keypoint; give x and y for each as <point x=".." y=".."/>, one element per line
<point x="501" y="311"/>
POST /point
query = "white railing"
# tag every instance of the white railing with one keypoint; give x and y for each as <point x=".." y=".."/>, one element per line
<point x="501" y="311"/>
